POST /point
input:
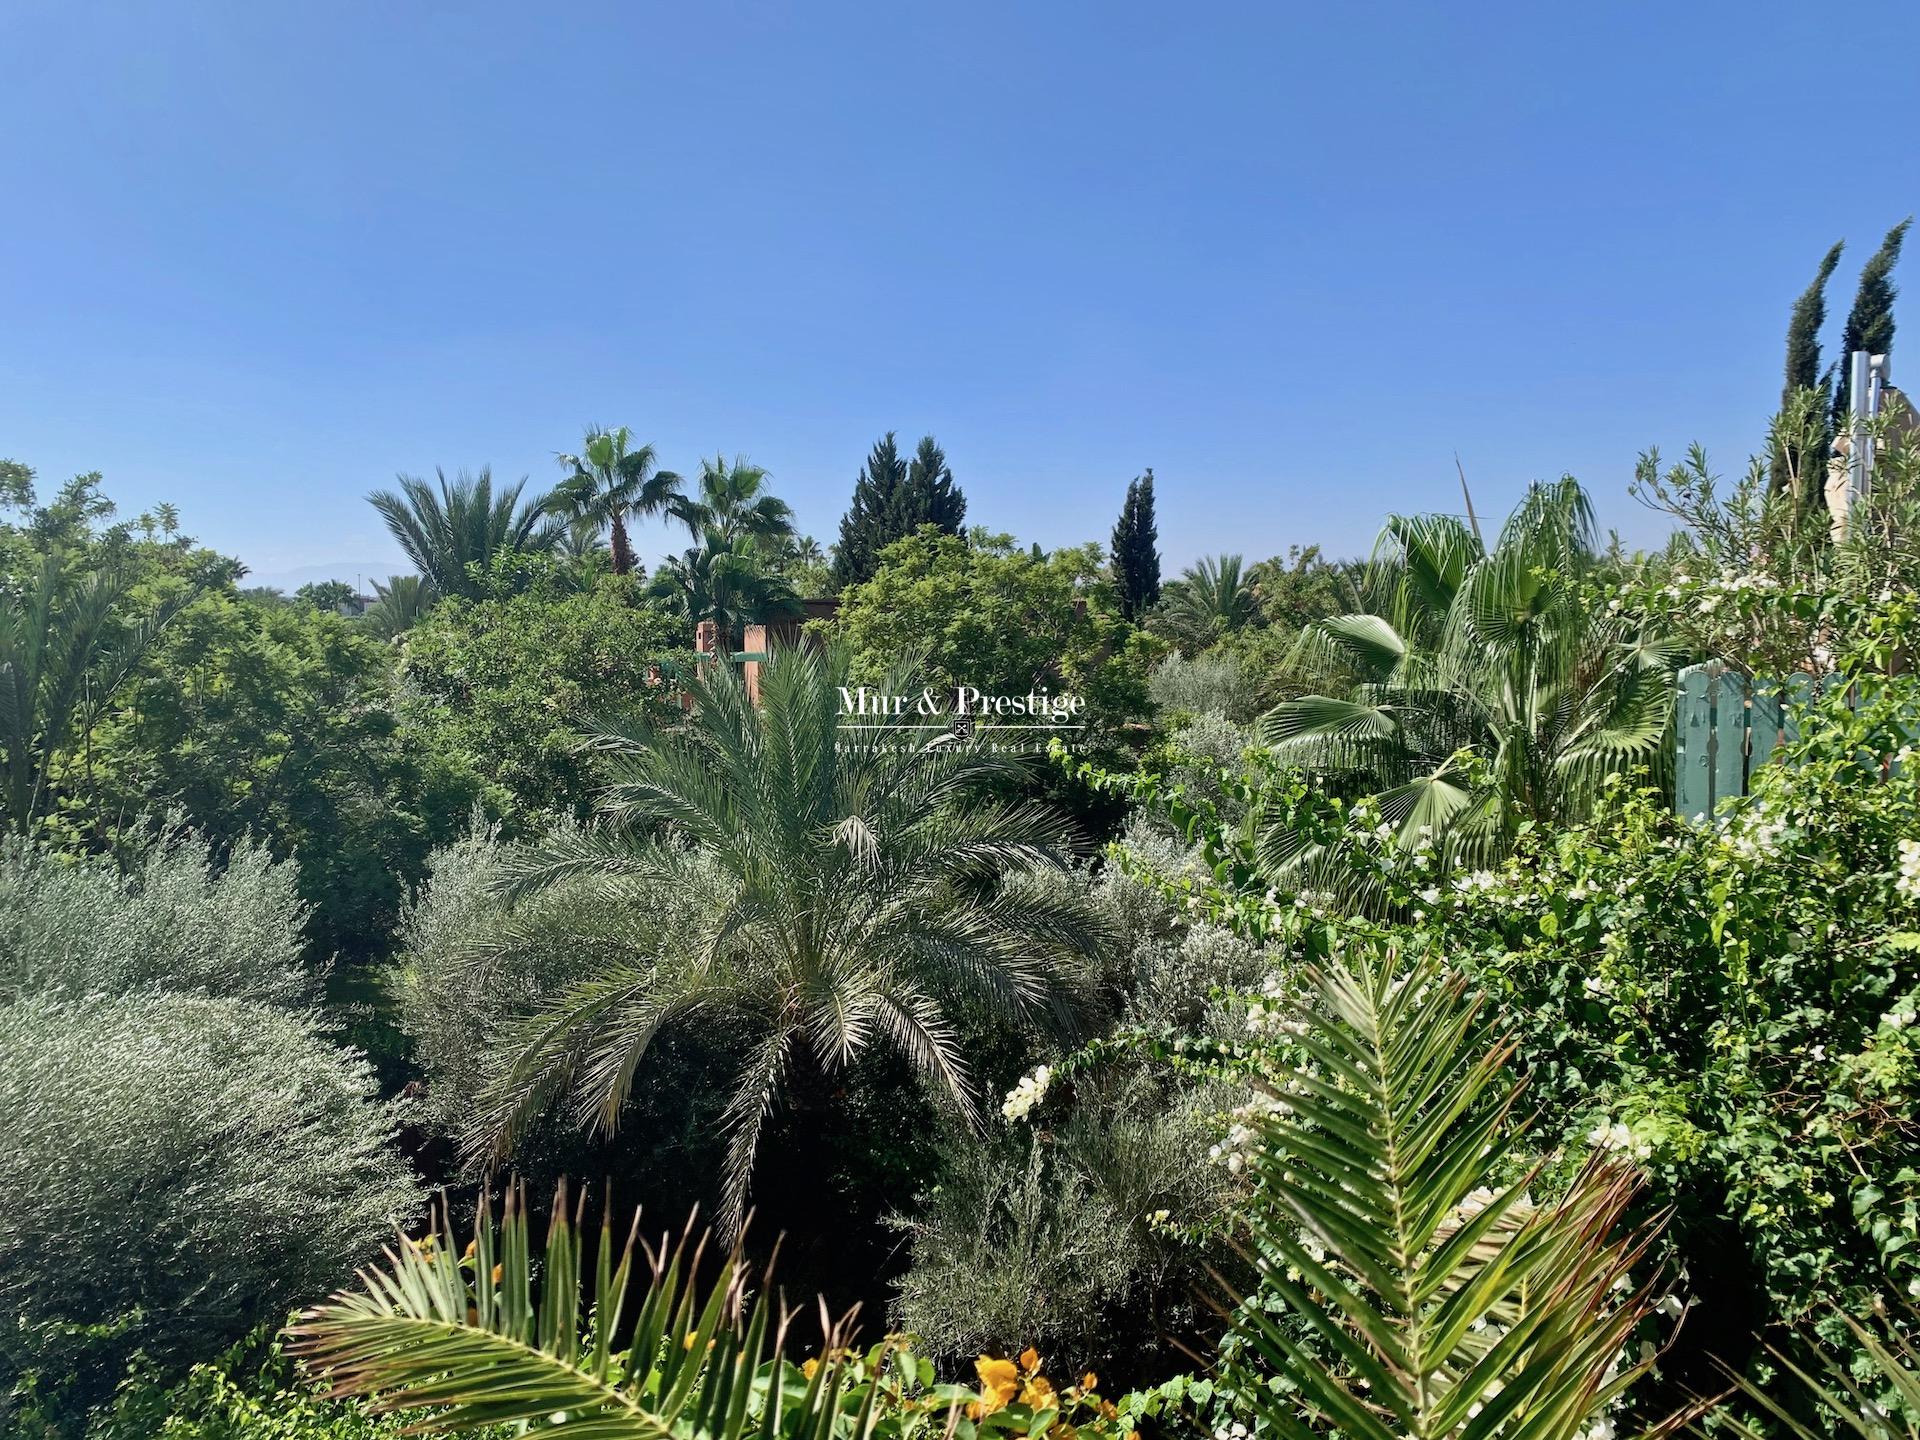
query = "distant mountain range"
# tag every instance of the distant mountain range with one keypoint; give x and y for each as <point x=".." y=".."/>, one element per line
<point x="359" y="573"/>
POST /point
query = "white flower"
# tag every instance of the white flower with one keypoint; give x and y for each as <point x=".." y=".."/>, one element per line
<point x="1618" y="1138"/>
<point x="1031" y="1090"/>
<point x="1908" y="881"/>
<point x="1670" y="1306"/>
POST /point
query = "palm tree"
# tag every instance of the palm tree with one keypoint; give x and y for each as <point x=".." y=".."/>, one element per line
<point x="404" y="600"/>
<point x="1474" y="658"/>
<point x="65" y="649"/>
<point x="465" y="524"/>
<point x="804" y="550"/>
<point x="1409" y="1280"/>
<point x="610" y="480"/>
<point x="581" y="540"/>
<point x="735" y="503"/>
<point x="731" y="582"/>
<point x="497" y="1337"/>
<point x="1211" y="599"/>
<point x="866" y="890"/>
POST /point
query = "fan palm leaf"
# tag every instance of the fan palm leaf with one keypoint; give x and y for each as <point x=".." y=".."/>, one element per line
<point x="1496" y="654"/>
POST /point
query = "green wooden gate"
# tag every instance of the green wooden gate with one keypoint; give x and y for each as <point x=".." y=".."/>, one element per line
<point x="1727" y="727"/>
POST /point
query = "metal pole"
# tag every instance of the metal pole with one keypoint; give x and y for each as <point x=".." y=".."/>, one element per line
<point x="1860" y="366"/>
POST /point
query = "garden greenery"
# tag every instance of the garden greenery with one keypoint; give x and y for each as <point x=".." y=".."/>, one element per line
<point x="1341" y="1037"/>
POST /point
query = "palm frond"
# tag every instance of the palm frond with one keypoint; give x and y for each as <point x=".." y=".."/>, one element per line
<point x="1415" y="1286"/>
<point x="462" y="1341"/>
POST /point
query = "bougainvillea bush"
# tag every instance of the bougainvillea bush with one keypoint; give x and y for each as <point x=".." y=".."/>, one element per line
<point x="1728" y="1005"/>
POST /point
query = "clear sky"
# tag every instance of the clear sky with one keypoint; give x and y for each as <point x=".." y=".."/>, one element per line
<point x="258" y="257"/>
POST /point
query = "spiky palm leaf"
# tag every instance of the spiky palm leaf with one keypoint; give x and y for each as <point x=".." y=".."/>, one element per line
<point x="464" y="1342"/>
<point x="465" y="523"/>
<point x="1879" y="1400"/>
<point x="730" y="581"/>
<point x="1409" y="1283"/>
<point x="866" y="889"/>
<point x="1212" y="598"/>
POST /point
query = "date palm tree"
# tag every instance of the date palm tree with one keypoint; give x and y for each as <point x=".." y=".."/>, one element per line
<point x="465" y="522"/>
<point x="1212" y="598"/>
<point x="1493" y="663"/>
<point x="404" y="601"/>
<point x="611" y="480"/>
<point x="869" y="886"/>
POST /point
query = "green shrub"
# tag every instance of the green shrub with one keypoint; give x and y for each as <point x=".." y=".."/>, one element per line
<point x="473" y="964"/>
<point x="80" y="927"/>
<point x="184" y="1164"/>
<point x="252" y="1392"/>
<point x="1215" y="682"/>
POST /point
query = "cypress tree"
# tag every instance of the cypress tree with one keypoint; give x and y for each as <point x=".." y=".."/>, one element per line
<point x="1803" y="367"/>
<point x="892" y="498"/>
<point x="1869" y="324"/>
<point x="1136" y="554"/>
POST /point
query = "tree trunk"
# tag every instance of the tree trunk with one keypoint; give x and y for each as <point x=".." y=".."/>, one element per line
<point x="622" y="551"/>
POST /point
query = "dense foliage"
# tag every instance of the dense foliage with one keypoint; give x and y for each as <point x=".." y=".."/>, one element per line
<point x="979" y="610"/>
<point x="1401" y="1066"/>
<point x="508" y="679"/>
<point x="185" y="1152"/>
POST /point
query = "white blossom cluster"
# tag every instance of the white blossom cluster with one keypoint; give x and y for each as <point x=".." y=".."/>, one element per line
<point x="1244" y="1133"/>
<point x="1618" y="1138"/>
<point x="1756" y="836"/>
<point x="1907" y="882"/>
<point x="1709" y="591"/>
<point x="1271" y="1012"/>
<point x="1031" y="1090"/>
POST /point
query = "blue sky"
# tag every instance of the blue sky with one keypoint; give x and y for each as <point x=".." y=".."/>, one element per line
<point x="259" y="257"/>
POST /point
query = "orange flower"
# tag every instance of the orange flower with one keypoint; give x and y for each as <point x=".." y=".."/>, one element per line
<point x="973" y="1409"/>
<point x="1029" y="1360"/>
<point x="1089" y="1381"/>
<point x="998" y="1383"/>
<point x="809" y="1365"/>
<point x="498" y="1271"/>
<point x="1039" y="1393"/>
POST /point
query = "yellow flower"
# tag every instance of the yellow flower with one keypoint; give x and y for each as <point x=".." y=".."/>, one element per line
<point x="998" y="1383"/>
<point x="467" y="1254"/>
<point x="1039" y="1393"/>
<point x="1029" y="1360"/>
<point x="1089" y="1381"/>
<point x="498" y="1271"/>
<point x="973" y="1410"/>
<point x="809" y="1366"/>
